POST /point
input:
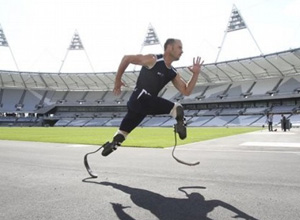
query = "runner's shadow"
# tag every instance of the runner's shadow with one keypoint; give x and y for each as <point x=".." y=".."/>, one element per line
<point x="193" y="207"/>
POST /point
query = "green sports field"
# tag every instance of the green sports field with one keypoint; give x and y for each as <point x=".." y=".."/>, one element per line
<point x="140" y="137"/>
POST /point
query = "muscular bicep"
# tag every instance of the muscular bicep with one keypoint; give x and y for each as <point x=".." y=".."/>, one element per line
<point x="142" y="60"/>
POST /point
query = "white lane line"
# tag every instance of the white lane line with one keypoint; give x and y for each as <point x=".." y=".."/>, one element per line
<point x="271" y="144"/>
<point x="239" y="151"/>
<point x="275" y="133"/>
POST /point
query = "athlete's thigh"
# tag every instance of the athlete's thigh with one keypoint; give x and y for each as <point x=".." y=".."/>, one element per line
<point x="158" y="105"/>
<point x="131" y="121"/>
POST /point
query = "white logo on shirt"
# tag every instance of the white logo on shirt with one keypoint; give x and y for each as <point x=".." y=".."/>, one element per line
<point x="160" y="74"/>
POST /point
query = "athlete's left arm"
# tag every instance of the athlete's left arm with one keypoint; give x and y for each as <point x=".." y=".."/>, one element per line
<point x="186" y="88"/>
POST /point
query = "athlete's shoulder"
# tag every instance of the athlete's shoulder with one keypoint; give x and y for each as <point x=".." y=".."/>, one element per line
<point x="174" y="69"/>
<point x="159" y="57"/>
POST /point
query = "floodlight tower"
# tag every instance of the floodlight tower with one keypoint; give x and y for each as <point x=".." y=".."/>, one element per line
<point x="76" y="44"/>
<point x="151" y="38"/>
<point x="235" y="23"/>
<point x="4" y="43"/>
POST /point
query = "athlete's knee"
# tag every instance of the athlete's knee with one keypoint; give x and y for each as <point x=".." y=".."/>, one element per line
<point x="120" y="136"/>
<point x="174" y="110"/>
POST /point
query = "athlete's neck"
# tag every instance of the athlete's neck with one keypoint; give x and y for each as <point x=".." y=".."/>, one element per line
<point x="168" y="60"/>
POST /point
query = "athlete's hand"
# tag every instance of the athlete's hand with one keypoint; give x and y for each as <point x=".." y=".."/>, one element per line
<point x="117" y="88"/>
<point x="197" y="64"/>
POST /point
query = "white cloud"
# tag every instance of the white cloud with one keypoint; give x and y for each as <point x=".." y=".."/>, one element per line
<point x="293" y="9"/>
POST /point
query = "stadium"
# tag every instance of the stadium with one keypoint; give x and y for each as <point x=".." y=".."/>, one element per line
<point x="229" y="93"/>
<point x="253" y="174"/>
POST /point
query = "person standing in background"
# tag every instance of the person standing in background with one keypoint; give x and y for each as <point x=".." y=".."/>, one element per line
<point x="270" y="121"/>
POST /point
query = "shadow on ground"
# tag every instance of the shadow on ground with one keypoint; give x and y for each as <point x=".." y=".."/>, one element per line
<point x="193" y="207"/>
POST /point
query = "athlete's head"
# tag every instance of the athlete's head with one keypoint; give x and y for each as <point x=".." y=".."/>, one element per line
<point x="196" y="197"/>
<point x="173" y="47"/>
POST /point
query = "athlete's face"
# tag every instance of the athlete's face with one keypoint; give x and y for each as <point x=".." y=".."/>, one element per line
<point x="176" y="50"/>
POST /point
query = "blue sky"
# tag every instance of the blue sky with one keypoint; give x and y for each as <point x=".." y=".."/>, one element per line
<point x="40" y="31"/>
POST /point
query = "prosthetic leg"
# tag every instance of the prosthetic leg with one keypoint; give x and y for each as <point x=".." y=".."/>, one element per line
<point x="108" y="148"/>
<point x="180" y="129"/>
<point x="173" y="152"/>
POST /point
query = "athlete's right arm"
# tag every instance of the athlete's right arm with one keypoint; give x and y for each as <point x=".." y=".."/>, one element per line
<point x="143" y="60"/>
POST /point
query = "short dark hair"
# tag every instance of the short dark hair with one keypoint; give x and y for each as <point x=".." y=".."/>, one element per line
<point x="169" y="41"/>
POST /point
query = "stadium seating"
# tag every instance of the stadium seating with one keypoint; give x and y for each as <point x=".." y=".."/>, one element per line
<point x="232" y="93"/>
<point x="199" y="121"/>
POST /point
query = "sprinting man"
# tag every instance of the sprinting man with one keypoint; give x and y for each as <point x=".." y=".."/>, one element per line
<point x="156" y="72"/>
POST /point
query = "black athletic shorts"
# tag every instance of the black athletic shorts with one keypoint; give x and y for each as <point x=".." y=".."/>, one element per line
<point x="141" y="104"/>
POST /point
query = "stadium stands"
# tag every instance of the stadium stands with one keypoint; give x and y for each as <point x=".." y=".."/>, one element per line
<point x="156" y="121"/>
<point x="262" y="87"/>
<point x="199" y="121"/>
<point x="220" y="121"/>
<point x="232" y="93"/>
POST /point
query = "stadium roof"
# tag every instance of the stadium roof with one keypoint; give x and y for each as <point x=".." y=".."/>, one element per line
<point x="280" y="64"/>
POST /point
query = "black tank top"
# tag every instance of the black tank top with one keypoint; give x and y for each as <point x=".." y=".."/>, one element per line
<point x="154" y="79"/>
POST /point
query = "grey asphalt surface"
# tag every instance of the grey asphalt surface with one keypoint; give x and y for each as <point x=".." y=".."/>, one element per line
<point x="248" y="176"/>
